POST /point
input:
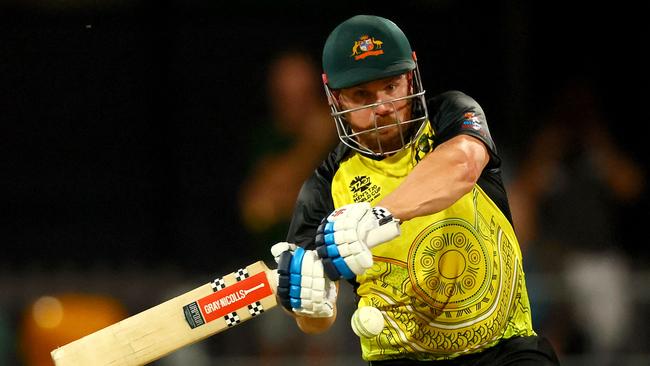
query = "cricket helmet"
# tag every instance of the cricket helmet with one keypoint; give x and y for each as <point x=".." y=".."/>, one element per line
<point x="366" y="48"/>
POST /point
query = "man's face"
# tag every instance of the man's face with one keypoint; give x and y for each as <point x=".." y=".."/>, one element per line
<point x="385" y="114"/>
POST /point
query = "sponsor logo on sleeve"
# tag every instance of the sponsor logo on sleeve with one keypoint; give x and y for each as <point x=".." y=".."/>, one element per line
<point x="471" y="121"/>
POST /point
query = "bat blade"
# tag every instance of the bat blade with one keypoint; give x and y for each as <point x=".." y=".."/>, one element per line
<point x="193" y="316"/>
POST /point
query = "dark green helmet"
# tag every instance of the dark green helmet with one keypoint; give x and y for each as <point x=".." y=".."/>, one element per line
<point x="365" y="48"/>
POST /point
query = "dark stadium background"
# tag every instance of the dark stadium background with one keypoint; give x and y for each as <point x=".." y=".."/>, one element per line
<point x="124" y="123"/>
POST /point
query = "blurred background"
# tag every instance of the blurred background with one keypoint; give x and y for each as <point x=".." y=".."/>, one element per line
<point x="148" y="147"/>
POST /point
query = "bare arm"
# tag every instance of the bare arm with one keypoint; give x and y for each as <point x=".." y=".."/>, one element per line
<point x="315" y="325"/>
<point x="440" y="179"/>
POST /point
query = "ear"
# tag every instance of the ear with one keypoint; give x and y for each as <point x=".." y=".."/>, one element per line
<point x="409" y="78"/>
<point x="336" y="97"/>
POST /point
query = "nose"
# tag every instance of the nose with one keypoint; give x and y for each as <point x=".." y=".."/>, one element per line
<point x="383" y="108"/>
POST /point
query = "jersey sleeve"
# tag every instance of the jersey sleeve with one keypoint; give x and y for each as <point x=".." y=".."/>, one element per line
<point x="458" y="114"/>
<point x="314" y="201"/>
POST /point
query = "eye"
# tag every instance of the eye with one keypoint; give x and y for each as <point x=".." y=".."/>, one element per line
<point x="360" y="94"/>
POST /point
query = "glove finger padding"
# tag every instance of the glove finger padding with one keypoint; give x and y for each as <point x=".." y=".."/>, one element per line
<point x="302" y="286"/>
<point x="341" y="239"/>
<point x="281" y="247"/>
<point x="348" y="216"/>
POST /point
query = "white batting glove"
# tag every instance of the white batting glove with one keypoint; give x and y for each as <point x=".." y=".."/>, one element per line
<point x="342" y="239"/>
<point x="302" y="286"/>
<point x="279" y="248"/>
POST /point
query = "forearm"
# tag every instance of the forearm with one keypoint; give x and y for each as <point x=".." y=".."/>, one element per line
<point x="314" y="325"/>
<point x="439" y="180"/>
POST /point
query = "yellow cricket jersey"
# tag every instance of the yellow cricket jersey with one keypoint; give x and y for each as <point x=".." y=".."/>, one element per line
<point x="452" y="283"/>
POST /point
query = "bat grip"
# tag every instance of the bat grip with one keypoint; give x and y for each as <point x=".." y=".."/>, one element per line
<point x="383" y="233"/>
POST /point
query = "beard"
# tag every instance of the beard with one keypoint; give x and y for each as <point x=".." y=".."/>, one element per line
<point x="389" y="137"/>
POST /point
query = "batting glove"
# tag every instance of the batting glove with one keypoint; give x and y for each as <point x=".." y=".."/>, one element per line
<point x="302" y="286"/>
<point x="342" y="239"/>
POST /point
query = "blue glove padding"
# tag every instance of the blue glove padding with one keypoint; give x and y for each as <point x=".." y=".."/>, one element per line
<point x="342" y="239"/>
<point x="302" y="285"/>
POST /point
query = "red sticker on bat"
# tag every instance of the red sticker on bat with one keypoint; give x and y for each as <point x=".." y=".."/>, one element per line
<point x="235" y="296"/>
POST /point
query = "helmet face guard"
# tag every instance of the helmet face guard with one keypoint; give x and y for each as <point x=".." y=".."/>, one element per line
<point x="409" y="130"/>
<point x="366" y="48"/>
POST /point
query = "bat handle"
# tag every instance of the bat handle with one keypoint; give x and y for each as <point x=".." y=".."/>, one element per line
<point x="383" y="233"/>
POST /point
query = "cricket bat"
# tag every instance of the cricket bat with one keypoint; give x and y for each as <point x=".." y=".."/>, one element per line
<point x="188" y="318"/>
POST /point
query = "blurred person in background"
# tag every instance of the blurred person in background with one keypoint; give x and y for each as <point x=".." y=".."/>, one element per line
<point x="285" y="151"/>
<point x="569" y="196"/>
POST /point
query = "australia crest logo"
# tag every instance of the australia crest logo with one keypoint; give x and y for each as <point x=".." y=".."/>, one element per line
<point x="366" y="46"/>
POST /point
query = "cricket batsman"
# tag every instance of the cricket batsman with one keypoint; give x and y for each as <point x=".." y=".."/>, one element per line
<point x="450" y="288"/>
